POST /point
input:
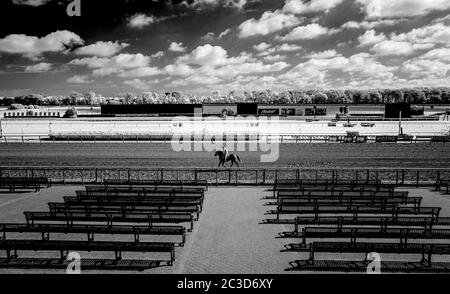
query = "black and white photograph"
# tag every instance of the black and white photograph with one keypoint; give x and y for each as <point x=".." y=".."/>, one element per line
<point x="174" y="138"/>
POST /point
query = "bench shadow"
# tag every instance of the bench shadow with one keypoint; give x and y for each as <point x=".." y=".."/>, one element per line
<point x="86" y="264"/>
<point x="17" y="192"/>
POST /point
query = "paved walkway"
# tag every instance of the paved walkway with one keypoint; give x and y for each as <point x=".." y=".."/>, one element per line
<point x="231" y="239"/>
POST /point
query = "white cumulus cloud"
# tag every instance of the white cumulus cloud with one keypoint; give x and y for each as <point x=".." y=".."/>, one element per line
<point x="33" y="47"/>
<point x="270" y="22"/>
<point x="177" y="47"/>
<point x="103" y="49"/>
<point x="40" y="67"/>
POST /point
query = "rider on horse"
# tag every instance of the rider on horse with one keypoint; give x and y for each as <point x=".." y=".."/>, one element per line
<point x="225" y="153"/>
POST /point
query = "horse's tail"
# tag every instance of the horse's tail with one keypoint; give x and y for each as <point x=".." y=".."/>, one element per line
<point x="240" y="161"/>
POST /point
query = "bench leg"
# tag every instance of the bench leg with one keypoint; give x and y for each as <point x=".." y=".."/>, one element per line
<point x="311" y="256"/>
<point x="45" y="236"/>
<point x="426" y="258"/>
<point x="136" y="237"/>
<point x="118" y="255"/>
<point x="192" y="226"/>
<point x="63" y="255"/>
<point x="172" y="257"/>
<point x="183" y="239"/>
<point x="3" y="237"/>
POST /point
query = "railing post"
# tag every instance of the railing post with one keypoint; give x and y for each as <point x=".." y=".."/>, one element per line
<point x="229" y="176"/>
<point x="438" y="177"/>
<point x="237" y="177"/>
<point x="403" y="176"/>
<point x="264" y="176"/>
<point x="417" y="179"/>
<point x="256" y="178"/>
<point x="96" y="175"/>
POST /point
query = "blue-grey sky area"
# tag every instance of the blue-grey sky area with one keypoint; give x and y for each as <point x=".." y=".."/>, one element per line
<point x="200" y="46"/>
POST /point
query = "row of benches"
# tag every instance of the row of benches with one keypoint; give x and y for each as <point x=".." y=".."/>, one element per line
<point x="333" y="212"/>
<point x="158" y="213"/>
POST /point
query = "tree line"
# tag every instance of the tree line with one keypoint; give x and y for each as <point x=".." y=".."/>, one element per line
<point x="422" y="95"/>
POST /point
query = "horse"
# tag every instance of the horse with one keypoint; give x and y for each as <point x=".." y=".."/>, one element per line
<point x="234" y="158"/>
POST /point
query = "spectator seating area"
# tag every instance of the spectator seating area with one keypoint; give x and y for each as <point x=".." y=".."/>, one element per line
<point x="129" y="209"/>
<point x="12" y="184"/>
<point x="333" y="218"/>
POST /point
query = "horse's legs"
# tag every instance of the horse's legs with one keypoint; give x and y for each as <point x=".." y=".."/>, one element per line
<point x="232" y="163"/>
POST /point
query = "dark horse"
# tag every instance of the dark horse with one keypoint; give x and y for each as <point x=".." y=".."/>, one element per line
<point x="234" y="158"/>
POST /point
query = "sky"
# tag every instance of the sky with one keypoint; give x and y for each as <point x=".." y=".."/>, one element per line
<point x="202" y="46"/>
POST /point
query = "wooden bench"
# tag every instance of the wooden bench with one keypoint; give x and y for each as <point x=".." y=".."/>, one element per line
<point x="356" y="211"/>
<point x="92" y="230"/>
<point x="385" y="188"/>
<point x="425" y="249"/>
<point x="182" y="183"/>
<point x="342" y="194"/>
<point x="369" y="201"/>
<point x="65" y="246"/>
<point x="111" y="218"/>
<point x="147" y="194"/>
<point x="443" y="183"/>
<point x="354" y="233"/>
<point x="329" y="182"/>
<point x="14" y="183"/>
<point x="381" y="221"/>
<point x="133" y="202"/>
<point x="131" y="188"/>
<point x="123" y="209"/>
<point x="142" y="199"/>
